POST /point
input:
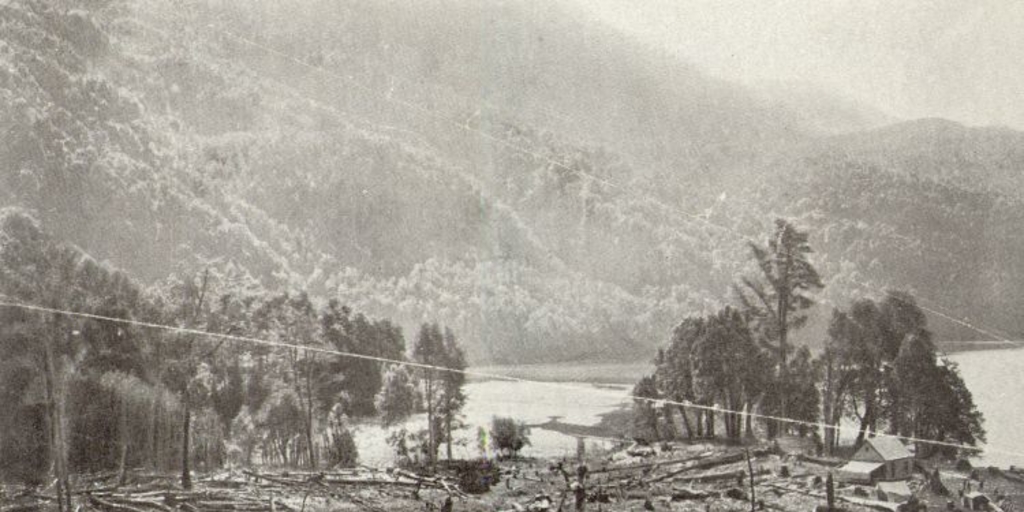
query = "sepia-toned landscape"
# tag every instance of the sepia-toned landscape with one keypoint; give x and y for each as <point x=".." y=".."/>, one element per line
<point x="510" y="255"/>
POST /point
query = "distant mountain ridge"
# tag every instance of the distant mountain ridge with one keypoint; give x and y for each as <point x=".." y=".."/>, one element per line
<point x="970" y="157"/>
<point x="600" y="194"/>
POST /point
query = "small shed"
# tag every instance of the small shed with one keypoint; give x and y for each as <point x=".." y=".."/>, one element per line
<point x="879" y="459"/>
<point x="975" y="501"/>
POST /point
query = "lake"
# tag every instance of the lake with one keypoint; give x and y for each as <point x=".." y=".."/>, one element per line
<point x="994" y="378"/>
<point x="531" y="403"/>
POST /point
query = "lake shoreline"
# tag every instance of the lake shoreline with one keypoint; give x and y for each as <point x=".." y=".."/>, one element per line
<point x="628" y="373"/>
<point x="583" y="372"/>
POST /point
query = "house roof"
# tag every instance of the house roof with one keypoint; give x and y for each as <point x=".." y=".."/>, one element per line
<point x="898" y="488"/>
<point x="889" y="448"/>
<point x="860" y="467"/>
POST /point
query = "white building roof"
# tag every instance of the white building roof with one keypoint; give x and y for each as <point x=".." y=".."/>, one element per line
<point x="889" y="448"/>
<point x="895" y="490"/>
<point x="860" y="467"/>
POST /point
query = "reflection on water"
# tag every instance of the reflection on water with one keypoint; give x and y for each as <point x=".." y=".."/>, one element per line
<point x="532" y="403"/>
<point x="994" y="378"/>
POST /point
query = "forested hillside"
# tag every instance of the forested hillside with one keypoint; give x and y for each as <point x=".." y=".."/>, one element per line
<point x="542" y="184"/>
<point x="956" y="246"/>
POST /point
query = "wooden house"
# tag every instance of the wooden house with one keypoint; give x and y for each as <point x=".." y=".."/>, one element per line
<point x="878" y="459"/>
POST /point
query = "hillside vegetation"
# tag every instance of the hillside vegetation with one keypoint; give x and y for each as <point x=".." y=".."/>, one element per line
<point x="542" y="184"/>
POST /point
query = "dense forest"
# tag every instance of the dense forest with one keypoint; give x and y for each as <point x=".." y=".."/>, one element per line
<point x="103" y="389"/>
<point x="880" y="367"/>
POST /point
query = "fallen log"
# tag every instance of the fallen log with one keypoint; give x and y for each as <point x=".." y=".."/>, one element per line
<point x="359" y="481"/>
<point x="111" y="507"/>
<point x="708" y="464"/>
<point x="717" y="477"/>
<point x="399" y="478"/>
<point x="647" y="465"/>
<point x="711" y="477"/>
<point x="139" y="503"/>
<point x="437" y="481"/>
<point x="275" y="479"/>
<point x="24" y="507"/>
<point x="690" y="494"/>
<point x="821" y="461"/>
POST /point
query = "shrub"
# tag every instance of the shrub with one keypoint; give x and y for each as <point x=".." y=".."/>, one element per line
<point x="509" y="436"/>
<point x="342" y="448"/>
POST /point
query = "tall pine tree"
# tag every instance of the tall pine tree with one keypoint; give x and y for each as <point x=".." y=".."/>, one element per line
<point x="780" y="296"/>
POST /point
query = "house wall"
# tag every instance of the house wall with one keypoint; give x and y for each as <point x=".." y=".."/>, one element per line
<point x="898" y="469"/>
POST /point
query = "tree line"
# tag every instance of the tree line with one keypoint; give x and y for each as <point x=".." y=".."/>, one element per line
<point x="879" y="367"/>
<point x="91" y="394"/>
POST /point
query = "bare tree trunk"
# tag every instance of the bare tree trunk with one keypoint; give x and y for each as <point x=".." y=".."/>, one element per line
<point x="309" y="417"/>
<point x="55" y="409"/>
<point x="828" y="404"/>
<point x="750" y="419"/>
<point x="448" y="434"/>
<point x="753" y="493"/>
<point x="671" y="433"/>
<point x="431" y="453"/>
<point x="154" y="434"/>
<point x="653" y="420"/>
<point x="894" y="415"/>
<point x="783" y="313"/>
<point x="123" y="428"/>
<point x="686" y="423"/>
<point x="186" y="473"/>
<point x="727" y="418"/>
<point x="867" y="424"/>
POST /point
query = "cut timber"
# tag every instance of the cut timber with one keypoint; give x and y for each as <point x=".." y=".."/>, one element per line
<point x="111" y="507"/>
<point x="690" y="494"/>
<point x="708" y="464"/>
<point x="25" y="507"/>
<point x="821" y="461"/>
<point x="717" y="477"/>
<point x="650" y="465"/>
<point x="397" y="478"/>
<point x="436" y="481"/>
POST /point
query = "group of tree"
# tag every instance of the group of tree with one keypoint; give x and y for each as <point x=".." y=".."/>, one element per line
<point x="245" y="376"/>
<point x="879" y="365"/>
<point x="434" y="386"/>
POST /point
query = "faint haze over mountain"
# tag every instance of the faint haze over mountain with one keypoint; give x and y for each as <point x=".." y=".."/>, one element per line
<point x="915" y="58"/>
<point x="553" y="179"/>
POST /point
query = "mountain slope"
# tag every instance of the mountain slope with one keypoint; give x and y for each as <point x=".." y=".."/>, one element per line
<point x="989" y="158"/>
<point x="530" y="178"/>
<point x="929" y="205"/>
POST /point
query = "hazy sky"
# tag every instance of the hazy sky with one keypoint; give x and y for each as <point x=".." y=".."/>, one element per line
<point x="959" y="59"/>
